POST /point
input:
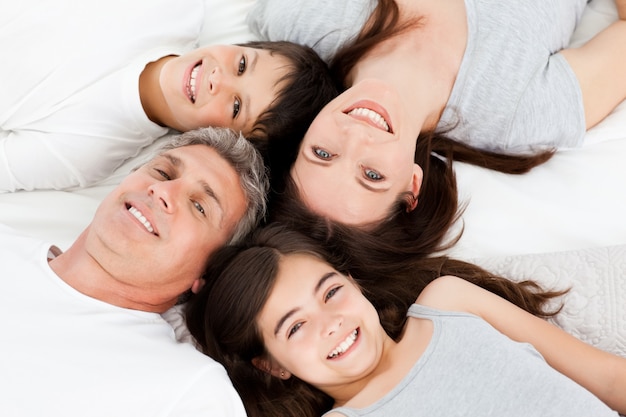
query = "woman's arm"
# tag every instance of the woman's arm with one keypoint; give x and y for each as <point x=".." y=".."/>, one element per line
<point x="600" y="65"/>
<point x="600" y="372"/>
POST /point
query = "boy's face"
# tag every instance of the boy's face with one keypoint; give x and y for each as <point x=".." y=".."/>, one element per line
<point x="221" y="86"/>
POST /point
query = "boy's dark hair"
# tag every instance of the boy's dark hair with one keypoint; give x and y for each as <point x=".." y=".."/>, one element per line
<point x="303" y="92"/>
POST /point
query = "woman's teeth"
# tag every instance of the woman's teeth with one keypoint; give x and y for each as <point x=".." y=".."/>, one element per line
<point x="139" y="216"/>
<point x="372" y="115"/>
<point x="343" y="346"/>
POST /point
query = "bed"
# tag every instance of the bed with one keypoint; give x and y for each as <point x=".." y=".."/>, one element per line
<point x="560" y="224"/>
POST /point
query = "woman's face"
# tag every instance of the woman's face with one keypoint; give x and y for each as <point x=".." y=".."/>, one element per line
<point x="357" y="156"/>
<point x="221" y="86"/>
<point x="316" y="324"/>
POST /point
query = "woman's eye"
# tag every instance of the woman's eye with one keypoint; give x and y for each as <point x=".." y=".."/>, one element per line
<point x="236" y="107"/>
<point x="163" y="174"/>
<point x="242" y="65"/>
<point x="373" y="175"/>
<point x="294" y="329"/>
<point x="322" y="154"/>
<point x="330" y="294"/>
<point x="198" y="207"/>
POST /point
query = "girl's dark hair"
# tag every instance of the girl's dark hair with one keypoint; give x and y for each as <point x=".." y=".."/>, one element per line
<point x="304" y="91"/>
<point x="385" y="23"/>
<point x="222" y="316"/>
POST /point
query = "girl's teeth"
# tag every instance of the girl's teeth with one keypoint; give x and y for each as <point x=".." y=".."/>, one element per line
<point x="345" y="345"/>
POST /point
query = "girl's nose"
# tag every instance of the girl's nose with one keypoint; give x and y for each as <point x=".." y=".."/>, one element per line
<point x="333" y="325"/>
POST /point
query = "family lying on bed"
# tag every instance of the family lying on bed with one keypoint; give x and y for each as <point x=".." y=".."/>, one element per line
<point x="301" y="331"/>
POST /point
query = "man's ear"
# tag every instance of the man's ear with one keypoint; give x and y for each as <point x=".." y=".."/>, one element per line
<point x="416" y="185"/>
<point x="268" y="366"/>
<point x="197" y="285"/>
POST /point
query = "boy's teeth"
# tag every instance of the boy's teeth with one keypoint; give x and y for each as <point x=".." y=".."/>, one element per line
<point x="192" y="82"/>
<point x="372" y="115"/>
<point x="343" y="346"/>
<point x="139" y="216"/>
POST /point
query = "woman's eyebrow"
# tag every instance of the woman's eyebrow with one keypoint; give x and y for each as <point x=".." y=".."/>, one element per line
<point x="369" y="187"/>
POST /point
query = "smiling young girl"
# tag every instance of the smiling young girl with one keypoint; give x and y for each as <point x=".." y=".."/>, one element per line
<point x="86" y="86"/>
<point x="300" y="337"/>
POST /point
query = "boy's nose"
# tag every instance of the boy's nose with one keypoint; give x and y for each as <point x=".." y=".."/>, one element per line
<point x="219" y="80"/>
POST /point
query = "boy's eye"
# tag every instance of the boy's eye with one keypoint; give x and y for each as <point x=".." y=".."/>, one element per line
<point x="322" y="154"/>
<point x="236" y="107"/>
<point x="242" y="65"/>
<point x="373" y="175"/>
<point x="198" y="207"/>
<point x="294" y="329"/>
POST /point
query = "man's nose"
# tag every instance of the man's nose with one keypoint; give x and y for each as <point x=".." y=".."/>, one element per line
<point x="164" y="194"/>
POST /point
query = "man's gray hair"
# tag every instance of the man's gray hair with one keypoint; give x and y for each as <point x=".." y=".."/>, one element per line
<point x="247" y="162"/>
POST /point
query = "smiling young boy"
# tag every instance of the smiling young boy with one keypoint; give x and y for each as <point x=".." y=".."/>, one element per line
<point x="87" y="85"/>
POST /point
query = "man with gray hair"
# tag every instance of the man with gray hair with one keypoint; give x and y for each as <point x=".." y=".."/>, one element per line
<point x="82" y="333"/>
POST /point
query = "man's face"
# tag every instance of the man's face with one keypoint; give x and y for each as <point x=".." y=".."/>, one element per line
<point x="154" y="232"/>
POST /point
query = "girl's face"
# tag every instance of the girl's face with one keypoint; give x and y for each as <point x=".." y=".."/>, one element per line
<point x="221" y="86"/>
<point x="357" y="156"/>
<point x="317" y="324"/>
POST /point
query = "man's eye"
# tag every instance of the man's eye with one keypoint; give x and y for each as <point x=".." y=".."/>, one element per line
<point x="236" y="107"/>
<point x="163" y="174"/>
<point x="322" y="154"/>
<point x="198" y="207"/>
<point x="373" y="175"/>
<point x="242" y="65"/>
<point x="294" y="329"/>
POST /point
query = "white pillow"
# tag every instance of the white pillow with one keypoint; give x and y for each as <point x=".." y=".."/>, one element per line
<point x="225" y="22"/>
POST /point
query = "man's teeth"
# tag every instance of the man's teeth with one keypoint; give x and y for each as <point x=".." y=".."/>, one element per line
<point x="192" y="82"/>
<point x="141" y="218"/>
<point x="343" y="346"/>
<point x="372" y="115"/>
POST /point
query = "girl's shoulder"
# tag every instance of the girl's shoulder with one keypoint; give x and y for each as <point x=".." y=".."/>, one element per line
<point x="446" y="293"/>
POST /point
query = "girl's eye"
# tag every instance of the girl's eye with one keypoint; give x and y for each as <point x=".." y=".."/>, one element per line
<point x="322" y="154"/>
<point x="330" y="294"/>
<point x="373" y="175"/>
<point x="242" y="65"/>
<point x="163" y="174"/>
<point x="198" y="207"/>
<point x="236" y="107"/>
<point x="294" y="329"/>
